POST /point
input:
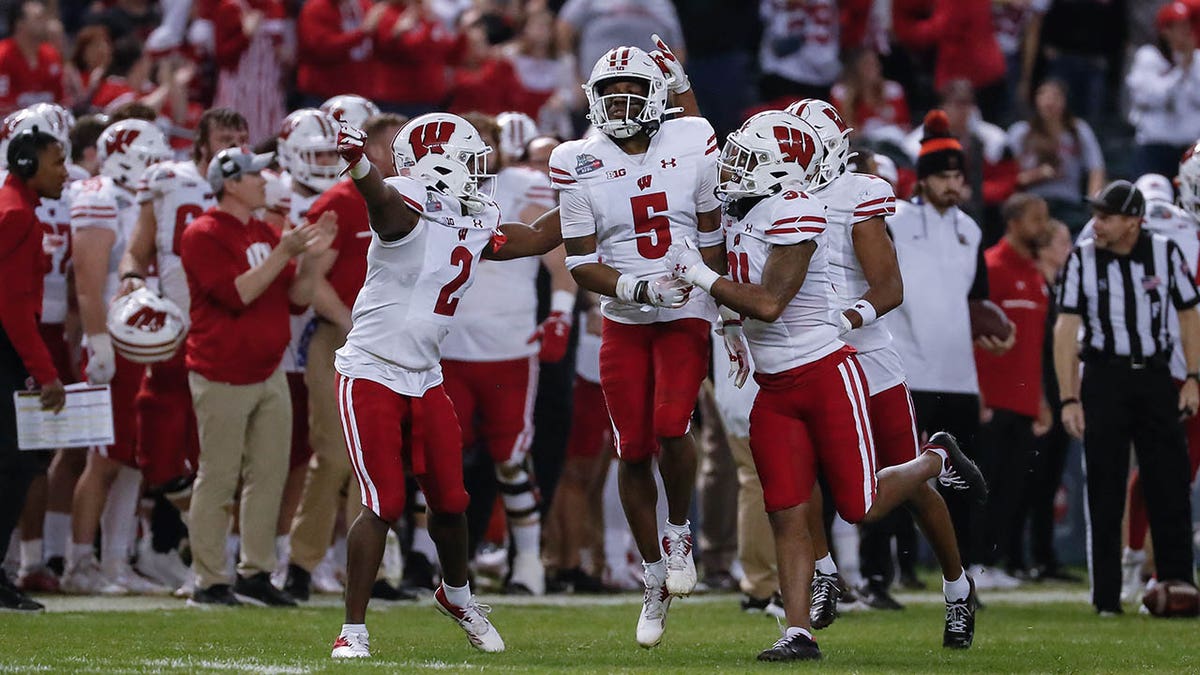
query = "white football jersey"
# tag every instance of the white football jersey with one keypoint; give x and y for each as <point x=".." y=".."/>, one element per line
<point x="413" y="289"/>
<point x="99" y="202"/>
<point x="498" y="315"/>
<point x="177" y="193"/>
<point x="803" y="333"/>
<point x="849" y="199"/>
<point x="636" y="205"/>
<point x="303" y="324"/>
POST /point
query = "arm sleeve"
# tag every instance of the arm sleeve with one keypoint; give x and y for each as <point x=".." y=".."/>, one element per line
<point x="877" y="200"/>
<point x="979" y="287"/>
<point x="1070" y="290"/>
<point x="210" y="268"/>
<point x="1183" y="286"/>
<point x="1091" y="155"/>
<point x="320" y="36"/>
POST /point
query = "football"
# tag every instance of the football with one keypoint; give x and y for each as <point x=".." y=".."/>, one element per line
<point x="1172" y="598"/>
<point x="988" y="319"/>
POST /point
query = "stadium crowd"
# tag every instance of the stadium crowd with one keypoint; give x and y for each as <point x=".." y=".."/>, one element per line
<point x="160" y="108"/>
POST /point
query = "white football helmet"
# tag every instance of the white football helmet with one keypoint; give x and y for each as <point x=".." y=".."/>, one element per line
<point x="1155" y="187"/>
<point x="146" y="328"/>
<point x="516" y="130"/>
<point x="1188" y="180"/>
<point x="772" y="150"/>
<point x="623" y="63"/>
<point x="305" y="134"/>
<point x="351" y="109"/>
<point x="446" y="151"/>
<point x="20" y="121"/>
<point x="127" y="147"/>
<point x="832" y="131"/>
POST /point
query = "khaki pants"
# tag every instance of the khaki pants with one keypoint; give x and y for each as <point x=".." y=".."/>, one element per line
<point x="329" y="469"/>
<point x="755" y="540"/>
<point x="245" y="434"/>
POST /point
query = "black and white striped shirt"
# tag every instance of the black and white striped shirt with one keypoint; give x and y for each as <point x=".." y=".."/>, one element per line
<point x="1123" y="300"/>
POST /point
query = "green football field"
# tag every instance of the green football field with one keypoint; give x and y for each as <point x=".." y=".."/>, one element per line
<point x="1033" y="630"/>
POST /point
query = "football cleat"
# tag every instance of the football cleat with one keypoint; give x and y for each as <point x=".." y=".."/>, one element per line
<point x="826" y="591"/>
<point x="528" y="575"/>
<point x="798" y="647"/>
<point x="125" y="577"/>
<point x="474" y="622"/>
<point x="681" y="567"/>
<point x="85" y="578"/>
<point x="653" y="619"/>
<point x="352" y="646"/>
<point x="167" y="569"/>
<point x="960" y="621"/>
<point x="959" y="473"/>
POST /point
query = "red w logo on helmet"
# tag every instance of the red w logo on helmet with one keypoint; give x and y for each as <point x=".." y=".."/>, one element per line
<point x="429" y="138"/>
<point x="147" y="319"/>
<point x="795" y="145"/>
<point x="120" y="141"/>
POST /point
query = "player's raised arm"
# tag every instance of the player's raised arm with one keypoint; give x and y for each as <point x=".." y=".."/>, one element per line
<point x="390" y="214"/>
<point x="782" y="277"/>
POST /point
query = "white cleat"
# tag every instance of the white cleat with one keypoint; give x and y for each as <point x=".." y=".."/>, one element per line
<point x="85" y="578"/>
<point x="324" y="578"/>
<point x="528" y="574"/>
<point x="681" y="568"/>
<point x="653" y="619"/>
<point x="352" y="646"/>
<point x="474" y="622"/>
<point x="166" y="569"/>
<point x="992" y="579"/>
<point x="125" y="577"/>
<point x="1131" y="574"/>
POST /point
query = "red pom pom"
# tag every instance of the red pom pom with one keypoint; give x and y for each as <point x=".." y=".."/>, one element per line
<point x="936" y="123"/>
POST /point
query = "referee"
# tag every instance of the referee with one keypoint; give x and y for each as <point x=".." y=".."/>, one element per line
<point x="1119" y="289"/>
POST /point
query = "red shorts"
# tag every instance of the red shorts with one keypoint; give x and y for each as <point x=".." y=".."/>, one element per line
<point x="55" y="337"/>
<point x="301" y="450"/>
<point x="125" y="385"/>
<point x="814" y="418"/>
<point x="387" y="433"/>
<point x="591" y="431"/>
<point x="494" y="400"/>
<point x="651" y="375"/>
<point x="168" y="444"/>
<point x="894" y="422"/>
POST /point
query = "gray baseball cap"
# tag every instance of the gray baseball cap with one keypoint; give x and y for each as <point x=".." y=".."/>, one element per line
<point x="232" y="163"/>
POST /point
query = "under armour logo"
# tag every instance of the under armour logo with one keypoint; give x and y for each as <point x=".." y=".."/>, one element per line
<point x="644" y="181"/>
<point x="668" y="163"/>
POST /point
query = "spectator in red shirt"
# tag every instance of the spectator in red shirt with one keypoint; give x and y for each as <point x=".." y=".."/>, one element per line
<point x="335" y="48"/>
<point x="414" y="51"/>
<point x="344" y="267"/>
<point x="874" y="106"/>
<point x="37" y="169"/>
<point x="1010" y="384"/>
<point x="30" y="68"/>
<point x="242" y="282"/>
<point x="484" y="81"/>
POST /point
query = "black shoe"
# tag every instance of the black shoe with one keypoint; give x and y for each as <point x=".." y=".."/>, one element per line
<point x="578" y="581"/>
<point x="909" y="581"/>
<point x="792" y="648"/>
<point x="960" y="621"/>
<point x="826" y="591"/>
<point x="56" y="565"/>
<point x="418" y="572"/>
<point x="753" y="605"/>
<point x="12" y="599"/>
<point x="298" y="584"/>
<point x="876" y="596"/>
<point x="216" y="595"/>
<point x="962" y="474"/>
<point x="720" y="582"/>
<point x="258" y="590"/>
<point x="382" y="590"/>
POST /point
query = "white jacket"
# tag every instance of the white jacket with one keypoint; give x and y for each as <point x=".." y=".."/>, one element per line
<point x="1165" y="98"/>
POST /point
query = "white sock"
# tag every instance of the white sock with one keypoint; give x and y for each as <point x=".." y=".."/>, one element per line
<point x="826" y="565"/>
<point x="118" y="522"/>
<point x="56" y="531"/>
<point x="423" y="544"/>
<point x="459" y="596"/>
<point x="78" y="553"/>
<point x="796" y="630"/>
<point x="685" y="528"/>
<point x="958" y="589"/>
<point x="283" y="549"/>
<point x="354" y="629"/>
<point x="31" y="555"/>
<point x="527" y="538"/>
<point x="233" y="543"/>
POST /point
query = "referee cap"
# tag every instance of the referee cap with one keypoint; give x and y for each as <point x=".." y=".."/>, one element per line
<point x="1119" y="198"/>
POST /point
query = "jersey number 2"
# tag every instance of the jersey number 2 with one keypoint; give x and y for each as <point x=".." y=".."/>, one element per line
<point x="446" y="304"/>
<point x="654" y="231"/>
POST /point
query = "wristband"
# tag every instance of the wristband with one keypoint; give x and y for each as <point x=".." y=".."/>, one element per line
<point x="627" y="286"/>
<point x="710" y="239"/>
<point x="360" y="169"/>
<point x="563" y="302"/>
<point x="704" y="278"/>
<point x="866" y="310"/>
<point x="1068" y="401"/>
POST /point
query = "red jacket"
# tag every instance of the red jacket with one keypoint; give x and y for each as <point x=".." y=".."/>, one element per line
<point x="960" y="30"/>
<point x="1013" y="380"/>
<point x="334" y="53"/>
<point x="22" y="85"/>
<point x="414" y="66"/>
<point x="24" y="264"/>
<point x="230" y="341"/>
<point x="353" y="237"/>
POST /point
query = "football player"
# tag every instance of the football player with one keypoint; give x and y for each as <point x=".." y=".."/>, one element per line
<point x="811" y="413"/>
<point x="430" y="227"/>
<point x="626" y="194"/>
<point x="865" y="285"/>
<point x="103" y="215"/>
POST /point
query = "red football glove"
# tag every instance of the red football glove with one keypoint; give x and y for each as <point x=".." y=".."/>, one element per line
<point x="351" y="143"/>
<point x="554" y="334"/>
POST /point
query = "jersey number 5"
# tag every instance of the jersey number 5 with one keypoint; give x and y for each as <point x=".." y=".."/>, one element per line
<point x="446" y="304"/>
<point x="654" y="231"/>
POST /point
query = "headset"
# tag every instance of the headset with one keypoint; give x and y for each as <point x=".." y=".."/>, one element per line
<point x="23" y="153"/>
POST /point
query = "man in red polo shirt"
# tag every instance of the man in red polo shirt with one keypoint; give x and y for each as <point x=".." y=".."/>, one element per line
<point x="30" y="67"/>
<point x="344" y="267"/>
<point x="1011" y="384"/>
<point x="242" y="283"/>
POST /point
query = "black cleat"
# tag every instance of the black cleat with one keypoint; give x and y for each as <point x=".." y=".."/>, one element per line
<point x="960" y="621"/>
<point x="962" y="475"/>
<point x="13" y="599"/>
<point x="874" y="594"/>
<point x="827" y="589"/>
<point x="217" y="595"/>
<point x="753" y="605"/>
<point x="298" y="584"/>
<point x="382" y="590"/>
<point x="57" y="565"/>
<point x="419" y="572"/>
<point x="796" y="647"/>
<point x="258" y="590"/>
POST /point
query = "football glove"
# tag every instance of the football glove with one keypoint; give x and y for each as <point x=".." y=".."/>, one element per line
<point x="554" y="333"/>
<point x="685" y="262"/>
<point x="102" y="362"/>
<point x="735" y="348"/>
<point x="672" y="69"/>
<point x="351" y="146"/>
